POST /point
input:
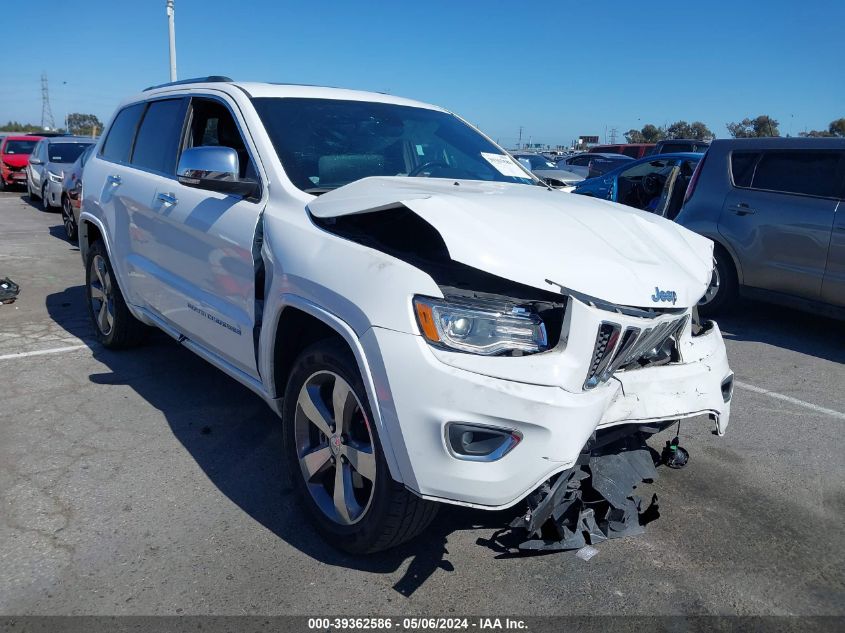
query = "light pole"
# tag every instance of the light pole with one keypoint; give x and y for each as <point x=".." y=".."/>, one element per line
<point x="172" y="28"/>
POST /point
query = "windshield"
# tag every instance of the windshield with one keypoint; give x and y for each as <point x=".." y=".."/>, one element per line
<point x="65" y="152"/>
<point x="536" y="162"/>
<point x="325" y="143"/>
<point x="19" y="147"/>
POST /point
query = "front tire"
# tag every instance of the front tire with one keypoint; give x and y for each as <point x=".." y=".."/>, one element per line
<point x="722" y="291"/>
<point x="45" y="203"/>
<point x="114" y="326"/>
<point x="335" y="458"/>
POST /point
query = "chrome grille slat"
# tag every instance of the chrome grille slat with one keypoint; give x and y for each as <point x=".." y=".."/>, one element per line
<point x="616" y="348"/>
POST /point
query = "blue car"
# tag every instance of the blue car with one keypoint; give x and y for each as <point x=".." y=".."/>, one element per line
<point x="654" y="183"/>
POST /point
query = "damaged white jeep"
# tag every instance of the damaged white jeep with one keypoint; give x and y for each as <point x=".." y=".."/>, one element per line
<point x="432" y="324"/>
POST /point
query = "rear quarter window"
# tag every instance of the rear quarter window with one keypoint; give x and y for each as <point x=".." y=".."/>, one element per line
<point x="118" y="145"/>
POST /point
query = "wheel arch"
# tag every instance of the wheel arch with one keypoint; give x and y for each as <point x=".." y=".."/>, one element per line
<point x="300" y="323"/>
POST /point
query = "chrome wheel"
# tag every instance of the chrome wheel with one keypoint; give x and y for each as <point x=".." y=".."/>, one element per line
<point x="712" y="289"/>
<point x="101" y="295"/>
<point x="335" y="447"/>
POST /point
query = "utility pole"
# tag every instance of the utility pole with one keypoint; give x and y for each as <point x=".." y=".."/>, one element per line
<point x="172" y="28"/>
<point x="613" y="132"/>
<point x="47" y="122"/>
<point x="519" y="143"/>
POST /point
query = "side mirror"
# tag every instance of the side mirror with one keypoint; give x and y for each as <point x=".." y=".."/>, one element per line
<point x="215" y="169"/>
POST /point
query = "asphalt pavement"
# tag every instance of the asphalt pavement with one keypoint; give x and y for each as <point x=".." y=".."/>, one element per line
<point x="148" y="482"/>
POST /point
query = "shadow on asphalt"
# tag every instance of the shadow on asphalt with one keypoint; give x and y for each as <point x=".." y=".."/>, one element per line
<point x="778" y="326"/>
<point x="237" y="441"/>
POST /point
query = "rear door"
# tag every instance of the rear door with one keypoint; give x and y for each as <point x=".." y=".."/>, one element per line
<point x="202" y="243"/>
<point x="778" y="217"/>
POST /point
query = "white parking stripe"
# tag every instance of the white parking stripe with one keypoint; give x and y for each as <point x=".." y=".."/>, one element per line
<point x="790" y="399"/>
<point x="41" y="352"/>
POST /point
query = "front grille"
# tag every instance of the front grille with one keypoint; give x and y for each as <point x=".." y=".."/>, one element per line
<point x="617" y="349"/>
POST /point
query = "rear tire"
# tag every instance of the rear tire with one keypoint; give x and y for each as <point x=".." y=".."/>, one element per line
<point x="376" y="514"/>
<point x="722" y="292"/>
<point x="114" y="326"/>
<point x="71" y="230"/>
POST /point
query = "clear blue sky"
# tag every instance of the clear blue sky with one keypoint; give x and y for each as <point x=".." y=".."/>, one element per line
<point x="501" y="65"/>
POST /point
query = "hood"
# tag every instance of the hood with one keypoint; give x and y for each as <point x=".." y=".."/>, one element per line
<point x="530" y="234"/>
<point x="567" y="177"/>
<point x="15" y="160"/>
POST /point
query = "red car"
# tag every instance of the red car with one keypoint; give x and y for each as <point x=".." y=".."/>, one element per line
<point x="14" y="153"/>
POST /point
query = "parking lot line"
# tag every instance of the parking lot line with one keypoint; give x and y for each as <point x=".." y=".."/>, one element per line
<point x="40" y="352"/>
<point x="790" y="399"/>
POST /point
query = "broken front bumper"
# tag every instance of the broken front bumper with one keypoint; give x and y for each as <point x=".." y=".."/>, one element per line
<point x="418" y="395"/>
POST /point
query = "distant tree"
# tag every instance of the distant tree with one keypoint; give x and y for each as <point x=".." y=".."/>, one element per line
<point x="648" y="134"/>
<point x="84" y="124"/>
<point x="837" y="127"/>
<point x="634" y="136"/>
<point x="695" y="130"/>
<point x="14" y="126"/>
<point x="816" y="134"/>
<point x="763" y="125"/>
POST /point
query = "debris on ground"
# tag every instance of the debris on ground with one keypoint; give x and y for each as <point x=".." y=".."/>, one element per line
<point x="598" y="499"/>
<point x="8" y="290"/>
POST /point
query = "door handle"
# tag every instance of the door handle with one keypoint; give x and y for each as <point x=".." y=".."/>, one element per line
<point x="114" y="179"/>
<point x="743" y="209"/>
<point x="167" y="198"/>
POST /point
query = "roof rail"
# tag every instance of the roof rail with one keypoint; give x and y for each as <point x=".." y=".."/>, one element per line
<point x="195" y="80"/>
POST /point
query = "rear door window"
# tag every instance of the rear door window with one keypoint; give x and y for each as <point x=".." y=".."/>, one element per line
<point x="813" y="173"/>
<point x="742" y="167"/>
<point x="158" y="139"/>
<point x="118" y="145"/>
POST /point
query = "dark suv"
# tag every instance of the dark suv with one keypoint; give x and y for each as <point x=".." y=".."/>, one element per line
<point x="671" y="146"/>
<point x="774" y="207"/>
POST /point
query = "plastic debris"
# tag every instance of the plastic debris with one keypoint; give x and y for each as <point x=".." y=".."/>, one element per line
<point x="8" y="290"/>
<point x="595" y="500"/>
<point x="586" y="552"/>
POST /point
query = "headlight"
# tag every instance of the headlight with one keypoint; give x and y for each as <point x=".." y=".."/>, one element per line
<point x="480" y="327"/>
<point x="55" y="177"/>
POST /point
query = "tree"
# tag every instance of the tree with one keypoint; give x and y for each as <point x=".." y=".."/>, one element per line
<point x="695" y="130"/>
<point x="14" y="126"/>
<point x="84" y="124"/>
<point x="649" y="134"/>
<point x="763" y="125"/>
<point x="837" y="127"/>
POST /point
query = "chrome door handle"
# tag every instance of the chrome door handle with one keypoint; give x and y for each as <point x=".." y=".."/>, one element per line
<point x="114" y="179"/>
<point x="167" y="198"/>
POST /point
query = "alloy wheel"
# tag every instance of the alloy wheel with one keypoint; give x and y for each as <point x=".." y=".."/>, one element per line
<point x="67" y="217"/>
<point x="101" y="295"/>
<point x="335" y="447"/>
<point x="712" y="289"/>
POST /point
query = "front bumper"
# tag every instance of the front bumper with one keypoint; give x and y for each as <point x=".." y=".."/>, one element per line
<point x="418" y="395"/>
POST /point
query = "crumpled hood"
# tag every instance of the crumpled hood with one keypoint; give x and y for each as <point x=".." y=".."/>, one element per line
<point x="530" y="234"/>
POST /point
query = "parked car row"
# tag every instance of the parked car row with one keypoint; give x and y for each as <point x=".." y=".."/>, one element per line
<point x="774" y="207"/>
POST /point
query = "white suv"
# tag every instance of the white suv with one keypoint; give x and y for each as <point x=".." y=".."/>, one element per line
<point x="430" y="322"/>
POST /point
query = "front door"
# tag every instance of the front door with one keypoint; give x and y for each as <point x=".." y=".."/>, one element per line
<point x="204" y="245"/>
